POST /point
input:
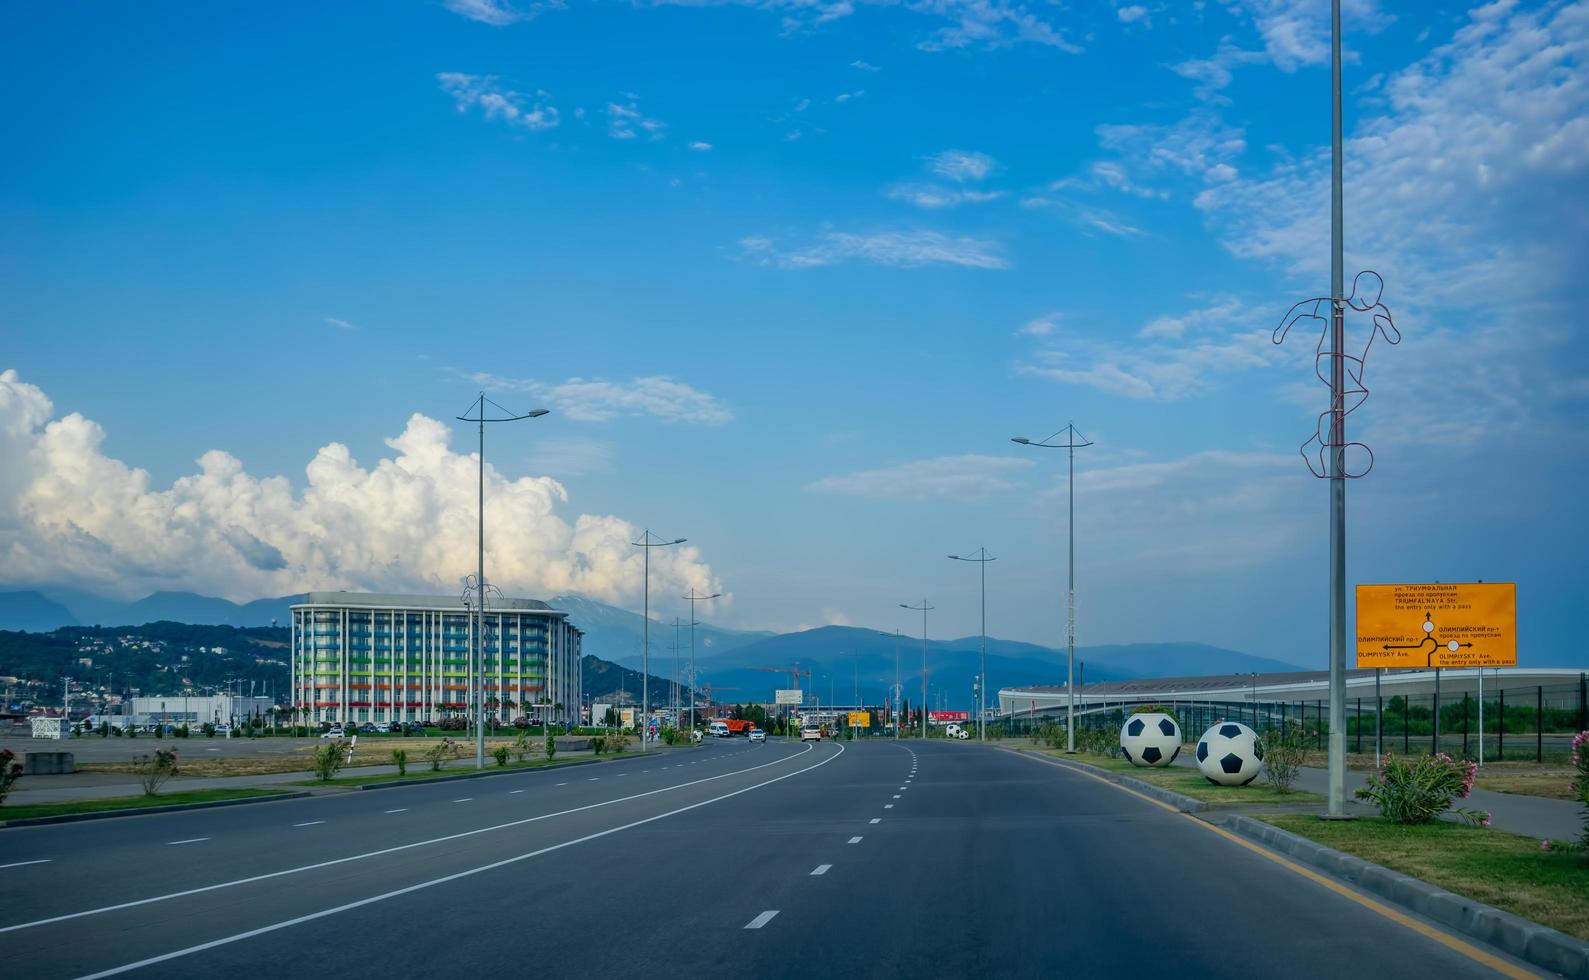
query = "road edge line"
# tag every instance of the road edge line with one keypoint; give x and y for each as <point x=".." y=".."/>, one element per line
<point x="138" y="811"/>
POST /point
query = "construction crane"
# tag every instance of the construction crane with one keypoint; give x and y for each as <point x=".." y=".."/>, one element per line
<point x="708" y="689"/>
<point x="795" y="673"/>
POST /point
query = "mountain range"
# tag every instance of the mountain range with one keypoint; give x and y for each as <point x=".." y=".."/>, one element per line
<point x="839" y="663"/>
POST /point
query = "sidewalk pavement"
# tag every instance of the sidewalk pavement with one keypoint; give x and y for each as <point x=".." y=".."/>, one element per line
<point x="1531" y="816"/>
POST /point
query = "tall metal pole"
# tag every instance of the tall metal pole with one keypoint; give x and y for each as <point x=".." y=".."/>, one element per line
<point x="982" y="560"/>
<point x="693" y="600"/>
<point x="1337" y="779"/>
<point x="478" y="667"/>
<point x="647" y="544"/>
<point x="923" y="610"/>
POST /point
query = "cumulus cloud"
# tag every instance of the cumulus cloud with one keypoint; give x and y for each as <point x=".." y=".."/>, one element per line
<point x="901" y="249"/>
<point x="514" y="108"/>
<point x="601" y="399"/>
<point x="497" y="13"/>
<point x="70" y="513"/>
<point x="966" y="477"/>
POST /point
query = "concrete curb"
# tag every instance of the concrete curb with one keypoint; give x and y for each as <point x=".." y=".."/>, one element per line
<point x="477" y="774"/>
<point x="1185" y="804"/>
<point x="140" y="810"/>
<point x="1540" y="945"/>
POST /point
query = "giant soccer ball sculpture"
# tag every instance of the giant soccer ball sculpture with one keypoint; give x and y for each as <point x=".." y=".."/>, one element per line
<point x="1151" y="738"/>
<point x="1229" y="754"/>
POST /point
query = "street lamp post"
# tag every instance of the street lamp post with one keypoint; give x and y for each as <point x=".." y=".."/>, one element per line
<point x="647" y="544"/>
<point x="899" y="690"/>
<point x="923" y="609"/>
<point x="1071" y="445"/>
<point x="982" y="558"/>
<point x="480" y="417"/>
<point x="693" y="600"/>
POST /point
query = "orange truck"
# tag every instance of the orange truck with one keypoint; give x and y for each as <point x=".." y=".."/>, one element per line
<point x="738" y="726"/>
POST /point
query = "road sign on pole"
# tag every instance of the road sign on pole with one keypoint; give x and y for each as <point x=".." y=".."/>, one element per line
<point x="860" y="719"/>
<point x="793" y="696"/>
<point x="1440" y="624"/>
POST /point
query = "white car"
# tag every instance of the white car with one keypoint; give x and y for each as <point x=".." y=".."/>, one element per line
<point x="811" y="733"/>
<point x="757" y="735"/>
<point x="334" y="732"/>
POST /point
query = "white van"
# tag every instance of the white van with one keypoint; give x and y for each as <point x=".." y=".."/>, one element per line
<point x="719" y="729"/>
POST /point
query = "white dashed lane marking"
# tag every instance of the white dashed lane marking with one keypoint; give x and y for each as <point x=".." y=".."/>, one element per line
<point x="512" y="791"/>
<point x="308" y="823"/>
<point x="855" y="840"/>
<point x="401" y="809"/>
<point x="464" y="800"/>
<point x="761" y="919"/>
<point x="820" y="869"/>
<point x="190" y="840"/>
<point x="877" y="820"/>
<point x="19" y="864"/>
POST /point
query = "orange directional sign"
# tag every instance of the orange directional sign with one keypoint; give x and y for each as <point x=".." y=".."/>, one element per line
<point x="1457" y="624"/>
<point x="860" y="719"/>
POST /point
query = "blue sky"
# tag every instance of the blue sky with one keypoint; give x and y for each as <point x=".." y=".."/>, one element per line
<point x="789" y="276"/>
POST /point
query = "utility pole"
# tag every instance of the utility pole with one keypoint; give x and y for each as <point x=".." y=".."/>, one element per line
<point x="693" y="600"/>
<point x="982" y="558"/>
<point x="1071" y="444"/>
<point x="1337" y="803"/>
<point x="647" y="544"/>
<point x="923" y="609"/>
<point x="481" y="417"/>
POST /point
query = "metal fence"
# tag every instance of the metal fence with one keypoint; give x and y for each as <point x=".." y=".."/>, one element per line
<point x="1520" y="723"/>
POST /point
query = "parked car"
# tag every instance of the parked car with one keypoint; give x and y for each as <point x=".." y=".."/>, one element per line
<point x="757" y="735"/>
<point x="335" y="731"/>
<point x="368" y="728"/>
<point x="391" y="728"/>
<point x="810" y="733"/>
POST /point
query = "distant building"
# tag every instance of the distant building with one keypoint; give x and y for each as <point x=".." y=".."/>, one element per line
<point x="374" y="657"/>
<point x="195" y="709"/>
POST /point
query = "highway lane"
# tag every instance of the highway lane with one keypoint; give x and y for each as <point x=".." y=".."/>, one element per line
<point x="97" y="863"/>
<point x="980" y="863"/>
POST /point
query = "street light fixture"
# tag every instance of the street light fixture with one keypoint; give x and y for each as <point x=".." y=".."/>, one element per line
<point x="899" y="690"/>
<point x="982" y="558"/>
<point x="923" y="609"/>
<point x="1071" y="444"/>
<point x="693" y="600"/>
<point x="647" y="544"/>
<point x="479" y="416"/>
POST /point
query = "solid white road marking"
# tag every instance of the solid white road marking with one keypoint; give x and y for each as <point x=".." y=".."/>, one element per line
<point x="190" y="840"/>
<point x="877" y="820"/>
<point x="761" y="919"/>
<point x="401" y="809"/>
<point x="18" y="864"/>
<point x="405" y="847"/>
<point x="855" y="840"/>
<point x="308" y="823"/>
<point x="821" y="869"/>
<point x="323" y="913"/>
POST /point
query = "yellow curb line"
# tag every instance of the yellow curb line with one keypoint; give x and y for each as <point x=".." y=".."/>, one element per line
<point x="1451" y="942"/>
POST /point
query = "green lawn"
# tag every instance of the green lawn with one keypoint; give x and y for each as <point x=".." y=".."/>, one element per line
<point x="1190" y="782"/>
<point x="422" y="770"/>
<point x="130" y="802"/>
<point x="1497" y="868"/>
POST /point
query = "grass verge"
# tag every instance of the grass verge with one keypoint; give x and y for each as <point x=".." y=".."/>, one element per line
<point x="1500" y="869"/>
<point x="130" y="802"/>
<point x="425" y="772"/>
<point x="1190" y="782"/>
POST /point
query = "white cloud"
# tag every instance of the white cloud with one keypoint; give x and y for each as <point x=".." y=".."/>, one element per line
<point x="340" y="324"/>
<point x="933" y="196"/>
<point x="1296" y="33"/>
<point x="626" y="122"/>
<point x="1134" y="14"/>
<point x="967" y="477"/>
<point x="1088" y="217"/>
<point x="901" y="249"/>
<point x="844" y="97"/>
<point x="961" y="165"/>
<point x="69" y="513"/>
<point x="700" y="146"/>
<point x="1177" y="357"/>
<point x="1042" y="326"/>
<point x="859" y="65"/>
<point x="600" y="399"/>
<point x="497" y="13"/>
<point x="483" y="92"/>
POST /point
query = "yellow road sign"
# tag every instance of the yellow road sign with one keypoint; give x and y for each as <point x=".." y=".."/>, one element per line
<point x="1456" y="624"/>
<point x="860" y="719"/>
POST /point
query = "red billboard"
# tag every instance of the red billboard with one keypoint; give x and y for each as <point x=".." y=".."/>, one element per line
<point x="944" y="716"/>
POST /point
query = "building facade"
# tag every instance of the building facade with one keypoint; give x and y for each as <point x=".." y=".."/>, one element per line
<point x="359" y="657"/>
<point x="195" y="709"/>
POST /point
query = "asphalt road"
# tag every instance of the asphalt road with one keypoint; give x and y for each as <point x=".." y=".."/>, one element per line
<point x="875" y="857"/>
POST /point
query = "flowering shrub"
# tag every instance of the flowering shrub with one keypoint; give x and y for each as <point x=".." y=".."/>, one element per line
<point x="1580" y="781"/>
<point x="10" y="772"/>
<point x="1419" y="791"/>
<point x="153" y="770"/>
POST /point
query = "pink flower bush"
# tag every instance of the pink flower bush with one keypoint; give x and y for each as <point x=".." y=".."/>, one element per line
<point x="1417" y="792"/>
<point x="1580" y="783"/>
